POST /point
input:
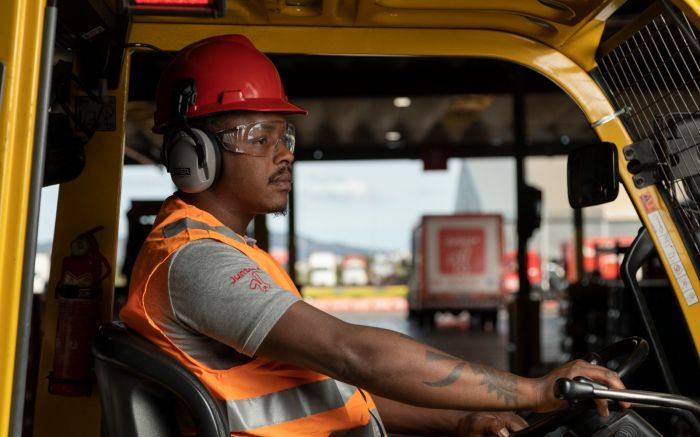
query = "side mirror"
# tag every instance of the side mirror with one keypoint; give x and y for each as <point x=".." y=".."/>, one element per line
<point x="592" y="177"/>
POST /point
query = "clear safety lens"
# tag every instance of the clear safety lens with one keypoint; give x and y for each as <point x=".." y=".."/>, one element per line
<point x="258" y="139"/>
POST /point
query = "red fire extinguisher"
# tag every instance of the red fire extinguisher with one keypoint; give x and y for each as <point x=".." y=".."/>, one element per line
<point x="78" y="292"/>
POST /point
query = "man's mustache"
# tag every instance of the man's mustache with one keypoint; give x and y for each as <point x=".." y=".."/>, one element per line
<point x="283" y="171"/>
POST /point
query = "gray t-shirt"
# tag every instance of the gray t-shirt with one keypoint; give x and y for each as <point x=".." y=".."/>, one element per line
<point x="220" y="299"/>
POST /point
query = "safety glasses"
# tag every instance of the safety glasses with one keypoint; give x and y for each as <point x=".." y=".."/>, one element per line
<point x="259" y="138"/>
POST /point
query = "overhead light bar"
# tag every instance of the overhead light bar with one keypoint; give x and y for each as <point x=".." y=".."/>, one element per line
<point x="191" y="8"/>
<point x="402" y="102"/>
<point x="392" y="136"/>
<point x="172" y="2"/>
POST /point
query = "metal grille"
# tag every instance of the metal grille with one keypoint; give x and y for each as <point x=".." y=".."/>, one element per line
<point x="653" y="76"/>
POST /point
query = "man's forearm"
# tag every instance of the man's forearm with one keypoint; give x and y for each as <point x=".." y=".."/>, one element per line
<point x="420" y="375"/>
<point x="397" y="367"/>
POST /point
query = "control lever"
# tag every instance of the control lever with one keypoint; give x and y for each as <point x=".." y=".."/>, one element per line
<point x="580" y="389"/>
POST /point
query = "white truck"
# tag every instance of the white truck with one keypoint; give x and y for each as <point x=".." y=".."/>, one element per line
<point x="353" y="270"/>
<point x="323" y="269"/>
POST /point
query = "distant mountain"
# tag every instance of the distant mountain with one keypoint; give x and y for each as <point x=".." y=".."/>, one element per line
<point x="305" y="246"/>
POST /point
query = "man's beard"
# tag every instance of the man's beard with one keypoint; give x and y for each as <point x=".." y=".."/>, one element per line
<point x="282" y="209"/>
<point x="280" y="212"/>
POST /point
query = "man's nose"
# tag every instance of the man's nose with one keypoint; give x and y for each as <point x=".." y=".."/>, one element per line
<point x="282" y="153"/>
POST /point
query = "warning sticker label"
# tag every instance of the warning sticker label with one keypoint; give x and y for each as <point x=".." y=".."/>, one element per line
<point x="657" y="223"/>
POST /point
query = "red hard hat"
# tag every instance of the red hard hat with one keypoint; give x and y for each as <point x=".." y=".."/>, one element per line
<point x="229" y="74"/>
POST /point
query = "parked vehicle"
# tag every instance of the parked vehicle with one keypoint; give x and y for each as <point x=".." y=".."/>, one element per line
<point x="323" y="269"/>
<point x="353" y="270"/>
<point x="381" y="269"/>
<point x="601" y="256"/>
<point x="457" y="266"/>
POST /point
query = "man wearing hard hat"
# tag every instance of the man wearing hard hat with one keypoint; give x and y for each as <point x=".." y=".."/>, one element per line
<point x="206" y="294"/>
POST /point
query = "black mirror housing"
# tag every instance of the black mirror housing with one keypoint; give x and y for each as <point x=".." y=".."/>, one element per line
<point x="592" y="175"/>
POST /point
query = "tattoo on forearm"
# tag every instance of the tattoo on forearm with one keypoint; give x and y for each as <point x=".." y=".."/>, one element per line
<point x="503" y="384"/>
<point x="452" y="377"/>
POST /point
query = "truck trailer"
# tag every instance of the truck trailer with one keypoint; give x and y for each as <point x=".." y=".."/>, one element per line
<point x="457" y="266"/>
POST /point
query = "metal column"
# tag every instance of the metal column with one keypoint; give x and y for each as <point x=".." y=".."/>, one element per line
<point x="524" y="312"/>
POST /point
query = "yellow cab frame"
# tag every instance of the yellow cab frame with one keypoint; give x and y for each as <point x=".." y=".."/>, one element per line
<point x="558" y="39"/>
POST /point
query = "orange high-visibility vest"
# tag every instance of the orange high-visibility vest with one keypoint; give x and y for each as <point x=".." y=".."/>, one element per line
<point x="263" y="397"/>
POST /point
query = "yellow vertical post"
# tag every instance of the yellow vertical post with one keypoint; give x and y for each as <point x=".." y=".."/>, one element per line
<point x="89" y="201"/>
<point x="21" y="29"/>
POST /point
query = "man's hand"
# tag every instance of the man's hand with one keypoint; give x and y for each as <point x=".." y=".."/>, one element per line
<point x="485" y="423"/>
<point x="545" y="385"/>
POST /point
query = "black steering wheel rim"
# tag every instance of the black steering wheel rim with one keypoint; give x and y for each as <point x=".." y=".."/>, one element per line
<point x="633" y="349"/>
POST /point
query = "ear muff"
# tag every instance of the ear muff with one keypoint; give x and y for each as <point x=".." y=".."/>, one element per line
<point x="192" y="159"/>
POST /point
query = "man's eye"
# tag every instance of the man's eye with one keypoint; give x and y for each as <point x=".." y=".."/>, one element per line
<point x="260" y="141"/>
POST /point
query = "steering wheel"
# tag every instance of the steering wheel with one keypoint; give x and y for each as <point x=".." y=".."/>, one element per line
<point x="630" y="352"/>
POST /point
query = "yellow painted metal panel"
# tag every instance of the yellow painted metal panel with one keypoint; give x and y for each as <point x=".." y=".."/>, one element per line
<point x="21" y="26"/>
<point x="582" y="47"/>
<point x="453" y="42"/>
<point x="552" y="23"/>
<point x="89" y="201"/>
<point x="691" y="8"/>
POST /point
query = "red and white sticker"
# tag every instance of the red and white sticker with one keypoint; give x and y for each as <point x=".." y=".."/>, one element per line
<point x="648" y="202"/>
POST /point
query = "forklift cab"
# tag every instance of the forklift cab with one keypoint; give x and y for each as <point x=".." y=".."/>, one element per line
<point x="75" y="74"/>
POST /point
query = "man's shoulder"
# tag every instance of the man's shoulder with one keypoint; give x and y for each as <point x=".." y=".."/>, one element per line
<point x="207" y="251"/>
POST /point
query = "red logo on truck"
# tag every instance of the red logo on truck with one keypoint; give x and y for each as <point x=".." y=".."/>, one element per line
<point x="462" y="250"/>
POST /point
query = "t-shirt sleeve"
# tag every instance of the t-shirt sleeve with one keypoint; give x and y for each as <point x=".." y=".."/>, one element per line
<point x="218" y="291"/>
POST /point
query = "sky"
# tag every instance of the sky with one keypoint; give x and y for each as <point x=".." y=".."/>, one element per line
<point x="368" y="204"/>
<point x="374" y="204"/>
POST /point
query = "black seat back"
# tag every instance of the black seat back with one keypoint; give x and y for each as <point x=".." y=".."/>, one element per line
<point x="140" y="387"/>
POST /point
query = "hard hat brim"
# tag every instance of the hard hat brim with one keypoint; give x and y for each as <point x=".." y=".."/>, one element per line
<point x="254" y="105"/>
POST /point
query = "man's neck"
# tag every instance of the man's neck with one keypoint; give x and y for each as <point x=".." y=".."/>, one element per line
<point x="231" y="217"/>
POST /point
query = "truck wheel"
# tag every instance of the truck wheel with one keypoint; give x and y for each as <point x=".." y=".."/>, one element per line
<point x="426" y="319"/>
<point x="489" y="320"/>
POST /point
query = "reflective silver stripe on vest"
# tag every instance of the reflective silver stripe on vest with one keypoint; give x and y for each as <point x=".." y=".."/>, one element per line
<point x="286" y="405"/>
<point x="378" y="430"/>
<point x="175" y="228"/>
